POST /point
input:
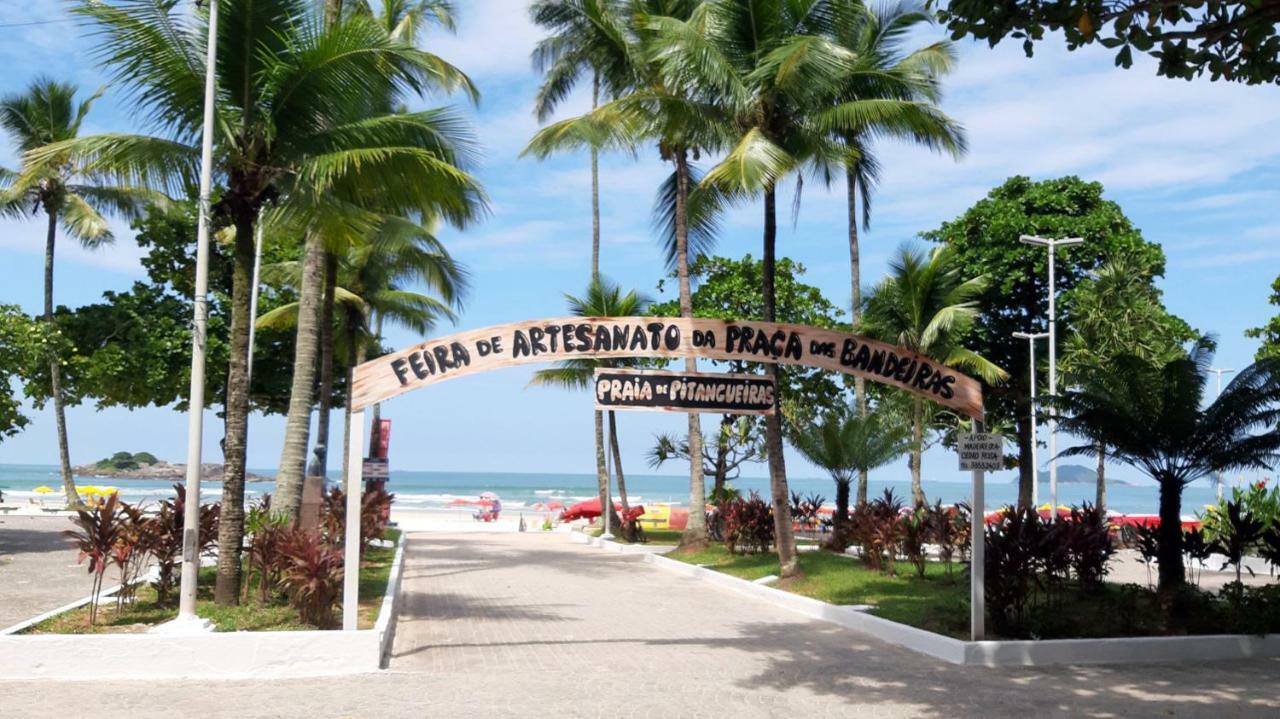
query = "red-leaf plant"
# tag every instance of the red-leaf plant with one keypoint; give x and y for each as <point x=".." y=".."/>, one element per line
<point x="99" y="530"/>
<point x="311" y="572"/>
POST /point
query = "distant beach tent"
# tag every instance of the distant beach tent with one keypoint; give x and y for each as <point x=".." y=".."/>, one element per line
<point x="44" y="489"/>
<point x="590" y="509"/>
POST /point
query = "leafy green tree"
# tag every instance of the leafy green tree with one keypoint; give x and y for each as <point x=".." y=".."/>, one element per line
<point x="133" y="348"/>
<point x="1270" y="332"/>
<point x="59" y="182"/>
<point x="1229" y="39"/>
<point x="602" y="299"/>
<point x="1152" y="416"/>
<point x="985" y="241"/>
<point x="294" y="128"/>
<point x="928" y="305"/>
<point x="1119" y="311"/>
<point x="848" y="445"/>
<point x="24" y="342"/>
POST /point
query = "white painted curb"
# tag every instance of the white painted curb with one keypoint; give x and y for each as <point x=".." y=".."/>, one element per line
<point x="217" y="655"/>
<point x="1048" y="652"/>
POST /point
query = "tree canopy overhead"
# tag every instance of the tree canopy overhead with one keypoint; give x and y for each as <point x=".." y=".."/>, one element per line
<point x="1232" y="40"/>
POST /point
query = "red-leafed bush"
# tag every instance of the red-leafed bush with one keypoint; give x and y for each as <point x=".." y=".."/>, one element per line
<point x="311" y="573"/>
<point x="98" y="530"/>
<point x="748" y="525"/>
<point x="375" y="510"/>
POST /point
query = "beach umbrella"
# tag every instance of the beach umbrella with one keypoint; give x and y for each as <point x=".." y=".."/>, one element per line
<point x="42" y="489"/>
<point x="488" y="495"/>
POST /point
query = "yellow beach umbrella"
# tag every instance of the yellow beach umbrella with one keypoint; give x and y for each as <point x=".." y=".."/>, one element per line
<point x="43" y="489"/>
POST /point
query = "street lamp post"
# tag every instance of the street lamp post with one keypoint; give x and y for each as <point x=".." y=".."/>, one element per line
<point x="1219" y="371"/>
<point x="195" y="407"/>
<point x="1031" y="338"/>
<point x="1052" y="244"/>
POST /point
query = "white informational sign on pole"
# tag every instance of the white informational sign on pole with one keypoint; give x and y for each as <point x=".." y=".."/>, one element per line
<point x="980" y="451"/>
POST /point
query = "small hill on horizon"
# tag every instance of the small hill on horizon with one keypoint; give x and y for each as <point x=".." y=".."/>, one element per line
<point x="1079" y="474"/>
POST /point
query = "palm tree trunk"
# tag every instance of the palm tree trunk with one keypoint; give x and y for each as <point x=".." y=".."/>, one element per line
<point x="625" y="529"/>
<point x="602" y="473"/>
<point x="694" y="536"/>
<point x="1172" y="573"/>
<point x="595" y="188"/>
<point x="722" y="458"/>
<point x="55" y="371"/>
<point x="841" y="516"/>
<point x="788" y="560"/>
<point x="293" y="457"/>
<point x="231" y="520"/>
<point x="917" y="451"/>
<point x="332" y="11"/>
<point x="1026" y="474"/>
<point x="855" y="294"/>
<point x="324" y="414"/>
<point x="1100" y="501"/>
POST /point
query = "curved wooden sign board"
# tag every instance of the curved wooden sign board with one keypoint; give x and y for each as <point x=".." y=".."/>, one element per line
<point x="540" y="341"/>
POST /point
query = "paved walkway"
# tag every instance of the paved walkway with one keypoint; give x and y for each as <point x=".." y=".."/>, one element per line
<point x="533" y="626"/>
<point x="38" y="568"/>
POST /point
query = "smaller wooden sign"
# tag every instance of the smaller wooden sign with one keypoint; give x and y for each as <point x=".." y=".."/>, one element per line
<point x="375" y="468"/>
<point x="684" y="391"/>
<point x="980" y="451"/>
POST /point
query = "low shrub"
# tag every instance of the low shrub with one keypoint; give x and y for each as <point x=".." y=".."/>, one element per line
<point x="1088" y="545"/>
<point x="96" y="536"/>
<point x="748" y="525"/>
<point x="375" y="512"/>
<point x="311" y="572"/>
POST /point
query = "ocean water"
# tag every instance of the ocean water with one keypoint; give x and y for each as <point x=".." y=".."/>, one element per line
<point x="444" y="490"/>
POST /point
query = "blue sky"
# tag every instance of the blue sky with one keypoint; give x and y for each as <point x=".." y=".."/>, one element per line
<point x="1194" y="165"/>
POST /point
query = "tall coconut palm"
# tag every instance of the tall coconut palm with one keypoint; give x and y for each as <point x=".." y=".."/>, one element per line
<point x="770" y="65"/>
<point x="371" y="289"/>
<point x="402" y="21"/>
<point x="293" y="128"/>
<point x="58" y="184"/>
<point x="585" y="38"/>
<point x="602" y="299"/>
<point x="926" y="305"/>
<point x="894" y="96"/>
<point x="845" y="444"/>
<point x="654" y="105"/>
<point x="1150" y="414"/>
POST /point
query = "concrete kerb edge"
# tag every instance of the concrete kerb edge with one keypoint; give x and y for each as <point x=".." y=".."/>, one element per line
<point x="224" y="655"/>
<point x="1039" y="653"/>
<point x="388" y="613"/>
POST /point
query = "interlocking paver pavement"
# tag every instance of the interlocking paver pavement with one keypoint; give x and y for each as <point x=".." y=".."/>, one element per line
<point x="533" y="626"/>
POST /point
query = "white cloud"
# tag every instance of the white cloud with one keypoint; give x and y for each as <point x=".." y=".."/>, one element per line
<point x="121" y="256"/>
<point x="495" y="38"/>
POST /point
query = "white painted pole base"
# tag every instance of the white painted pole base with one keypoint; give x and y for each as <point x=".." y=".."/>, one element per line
<point x="184" y="625"/>
<point x="351" y="557"/>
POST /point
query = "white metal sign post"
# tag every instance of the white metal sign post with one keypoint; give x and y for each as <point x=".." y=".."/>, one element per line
<point x="979" y="452"/>
<point x="351" y="555"/>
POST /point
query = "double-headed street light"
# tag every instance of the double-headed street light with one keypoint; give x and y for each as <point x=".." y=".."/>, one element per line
<point x="1052" y="244"/>
<point x="1031" y="338"/>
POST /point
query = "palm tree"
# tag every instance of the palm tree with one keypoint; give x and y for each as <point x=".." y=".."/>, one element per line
<point x="1150" y="415"/>
<point x="927" y="306"/>
<point x="400" y="20"/>
<point x="771" y="66"/>
<point x="1118" y="311"/>
<point x="654" y="105"/>
<point x="293" y="128"/>
<point x="59" y="184"/>
<point x="895" y="96"/>
<point x="602" y="299"/>
<point x="370" y="289"/>
<point x="585" y="37"/>
<point x="846" y="444"/>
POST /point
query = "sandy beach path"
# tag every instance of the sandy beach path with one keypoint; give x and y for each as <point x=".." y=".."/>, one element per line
<point x="38" y="570"/>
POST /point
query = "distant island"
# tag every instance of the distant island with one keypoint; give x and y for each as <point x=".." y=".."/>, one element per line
<point x="1077" y="474"/>
<point x="144" y="465"/>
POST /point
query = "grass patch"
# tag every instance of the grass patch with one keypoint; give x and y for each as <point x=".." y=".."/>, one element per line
<point x="935" y="602"/>
<point x="144" y="613"/>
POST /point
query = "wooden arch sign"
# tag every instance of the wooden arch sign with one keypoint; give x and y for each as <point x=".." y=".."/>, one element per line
<point x="539" y="341"/>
